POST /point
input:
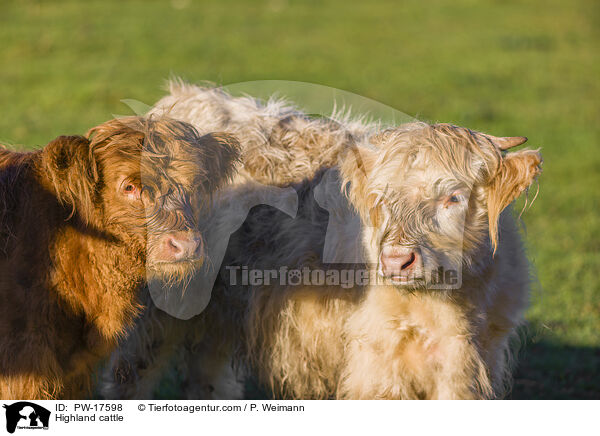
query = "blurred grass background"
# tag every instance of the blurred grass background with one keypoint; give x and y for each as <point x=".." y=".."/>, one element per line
<point x="503" y="67"/>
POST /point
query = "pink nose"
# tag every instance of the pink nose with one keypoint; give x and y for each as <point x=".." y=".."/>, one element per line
<point x="398" y="261"/>
<point x="180" y="246"/>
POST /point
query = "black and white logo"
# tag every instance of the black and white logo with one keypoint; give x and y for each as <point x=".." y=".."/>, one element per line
<point x="26" y="415"/>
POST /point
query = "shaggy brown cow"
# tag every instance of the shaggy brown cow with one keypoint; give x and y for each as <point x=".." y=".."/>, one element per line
<point x="85" y="221"/>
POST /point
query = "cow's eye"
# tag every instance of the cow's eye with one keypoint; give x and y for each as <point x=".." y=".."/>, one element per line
<point x="131" y="190"/>
<point x="452" y="199"/>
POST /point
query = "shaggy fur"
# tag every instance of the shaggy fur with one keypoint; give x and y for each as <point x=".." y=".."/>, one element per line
<point x="429" y="343"/>
<point x="279" y="145"/>
<point x="84" y="222"/>
<point x="437" y="190"/>
<point x="398" y="339"/>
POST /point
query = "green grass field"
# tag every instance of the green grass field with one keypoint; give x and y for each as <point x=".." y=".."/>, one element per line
<point x="503" y="67"/>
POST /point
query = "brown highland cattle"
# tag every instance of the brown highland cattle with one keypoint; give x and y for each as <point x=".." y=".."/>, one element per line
<point x="83" y="223"/>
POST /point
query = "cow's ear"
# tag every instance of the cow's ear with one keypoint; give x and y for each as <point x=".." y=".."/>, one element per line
<point x="356" y="169"/>
<point x="517" y="172"/>
<point x="220" y="155"/>
<point x="72" y="171"/>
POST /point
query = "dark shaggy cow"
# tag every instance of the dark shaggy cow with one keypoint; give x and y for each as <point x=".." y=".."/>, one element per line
<point x="83" y="223"/>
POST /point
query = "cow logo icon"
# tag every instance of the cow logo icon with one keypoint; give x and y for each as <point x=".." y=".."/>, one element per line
<point x="26" y="415"/>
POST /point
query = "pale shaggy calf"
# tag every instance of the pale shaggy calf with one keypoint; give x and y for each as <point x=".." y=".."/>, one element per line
<point x="427" y="196"/>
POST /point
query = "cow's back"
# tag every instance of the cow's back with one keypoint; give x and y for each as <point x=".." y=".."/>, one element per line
<point x="32" y="321"/>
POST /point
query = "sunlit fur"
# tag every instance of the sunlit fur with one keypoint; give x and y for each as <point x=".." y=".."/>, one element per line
<point x="74" y="249"/>
<point x="176" y="168"/>
<point x="384" y="341"/>
<point x="397" y="341"/>
<point x="438" y="343"/>
<point x="279" y="145"/>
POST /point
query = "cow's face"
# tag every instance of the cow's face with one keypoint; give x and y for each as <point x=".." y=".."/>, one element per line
<point x="430" y="198"/>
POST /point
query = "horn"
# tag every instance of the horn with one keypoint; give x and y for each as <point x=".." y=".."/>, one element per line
<point x="506" y="142"/>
